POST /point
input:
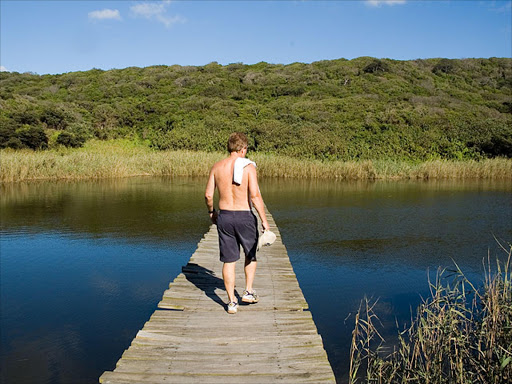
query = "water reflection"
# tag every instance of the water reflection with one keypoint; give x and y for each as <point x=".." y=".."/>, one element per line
<point x="132" y="209"/>
<point x="348" y="240"/>
<point x="83" y="264"/>
<point x="416" y="223"/>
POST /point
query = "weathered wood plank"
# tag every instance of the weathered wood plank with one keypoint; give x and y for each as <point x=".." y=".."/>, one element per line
<point x="233" y="378"/>
<point x="192" y="339"/>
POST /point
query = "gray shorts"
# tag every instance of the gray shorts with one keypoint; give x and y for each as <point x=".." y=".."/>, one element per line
<point x="237" y="228"/>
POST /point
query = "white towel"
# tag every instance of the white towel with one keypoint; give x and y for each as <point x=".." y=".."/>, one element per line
<point x="238" y="170"/>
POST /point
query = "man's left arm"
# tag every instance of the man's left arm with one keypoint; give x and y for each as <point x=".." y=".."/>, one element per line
<point x="255" y="196"/>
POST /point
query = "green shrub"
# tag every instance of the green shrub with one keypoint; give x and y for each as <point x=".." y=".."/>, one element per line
<point x="444" y="66"/>
<point x="32" y="137"/>
<point x="14" y="143"/>
<point x="376" y="66"/>
<point x="6" y="133"/>
<point x="54" y="118"/>
<point x="70" y="140"/>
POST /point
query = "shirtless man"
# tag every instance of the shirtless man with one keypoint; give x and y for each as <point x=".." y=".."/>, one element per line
<point x="236" y="224"/>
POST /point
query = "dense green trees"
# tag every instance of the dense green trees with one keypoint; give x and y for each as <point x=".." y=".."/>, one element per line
<point x="27" y="136"/>
<point x="339" y="109"/>
<point x="69" y="139"/>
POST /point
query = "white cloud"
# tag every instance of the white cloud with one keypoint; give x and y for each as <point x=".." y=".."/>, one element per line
<point x="105" y="14"/>
<point x="3" y="69"/>
<point x="148" y="10"/>
<point x="156" y="11"/>
<point x="378" y="3"/>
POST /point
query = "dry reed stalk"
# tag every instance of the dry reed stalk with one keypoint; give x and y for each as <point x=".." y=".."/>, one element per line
<point x="121" y="158"/>
<point x="460" y="334"/>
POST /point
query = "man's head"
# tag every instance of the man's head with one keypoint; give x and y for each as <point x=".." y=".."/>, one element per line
<point x="236" y="142"/>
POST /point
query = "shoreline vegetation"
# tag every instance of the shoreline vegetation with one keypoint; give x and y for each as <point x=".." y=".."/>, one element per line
<point x="459" y="334"/>
<point x="126" y="158"/>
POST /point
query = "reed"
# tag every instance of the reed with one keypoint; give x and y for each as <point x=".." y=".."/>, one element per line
<point x="460" y="334"/>
<point x="100" y="159"/>
<point x="122" y="158"/>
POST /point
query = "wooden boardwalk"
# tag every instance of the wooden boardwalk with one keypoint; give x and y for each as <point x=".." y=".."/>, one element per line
<point x="192" y="338"/>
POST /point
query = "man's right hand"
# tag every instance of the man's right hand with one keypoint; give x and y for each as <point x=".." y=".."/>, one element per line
<point x="214" y="216"/>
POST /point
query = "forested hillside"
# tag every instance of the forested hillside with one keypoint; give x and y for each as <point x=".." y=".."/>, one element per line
<point x="363" y="108"/>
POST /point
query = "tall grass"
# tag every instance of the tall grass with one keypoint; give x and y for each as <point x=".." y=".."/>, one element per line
<point x="103" y="159"/>
<point x="121" y="158"/>
<point x="460" y="334"/>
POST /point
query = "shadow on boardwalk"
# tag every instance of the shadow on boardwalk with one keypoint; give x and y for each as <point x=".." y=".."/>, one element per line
<point x="178" y="345"/>
<point x="205" y="280"/>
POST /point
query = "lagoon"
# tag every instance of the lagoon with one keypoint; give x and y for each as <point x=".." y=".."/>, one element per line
<point x="83" y="264"/>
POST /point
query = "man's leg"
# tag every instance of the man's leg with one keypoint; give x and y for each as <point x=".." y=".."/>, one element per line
<point x="250" y="271"/>
<point x="249" y="239"/>
<point x="228" y="274"/>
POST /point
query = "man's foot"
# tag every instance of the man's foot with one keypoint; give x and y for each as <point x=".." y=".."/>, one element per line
<point x="250" y="297"/>
<point x="232" y="307"/>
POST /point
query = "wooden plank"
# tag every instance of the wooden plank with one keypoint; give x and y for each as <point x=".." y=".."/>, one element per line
<point x="233" y="378"/>
<point x="192" y="339"/>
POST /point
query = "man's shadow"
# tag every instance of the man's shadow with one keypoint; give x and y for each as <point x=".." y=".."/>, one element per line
<point x="205" y="280"/>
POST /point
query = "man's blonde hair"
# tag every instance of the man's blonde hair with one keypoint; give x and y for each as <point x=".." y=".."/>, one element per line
<point x="237" y="141"/>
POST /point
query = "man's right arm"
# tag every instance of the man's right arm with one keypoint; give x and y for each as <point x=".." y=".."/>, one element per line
<point x="208" y="195"/>
<point x="255" y="195"/>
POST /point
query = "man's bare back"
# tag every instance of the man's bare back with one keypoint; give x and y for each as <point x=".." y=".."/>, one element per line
<point x="236" y="224"/>
<point x="233" y="197"/>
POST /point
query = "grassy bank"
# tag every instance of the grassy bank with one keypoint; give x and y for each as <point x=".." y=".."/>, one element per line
<point x="123" y="158"/>
<point x="461" y="334"/>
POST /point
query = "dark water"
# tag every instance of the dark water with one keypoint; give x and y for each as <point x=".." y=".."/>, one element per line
<point x="83" y="265"/>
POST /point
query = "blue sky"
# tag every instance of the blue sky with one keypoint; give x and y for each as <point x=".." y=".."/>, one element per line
<point x="63" y="36"/>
